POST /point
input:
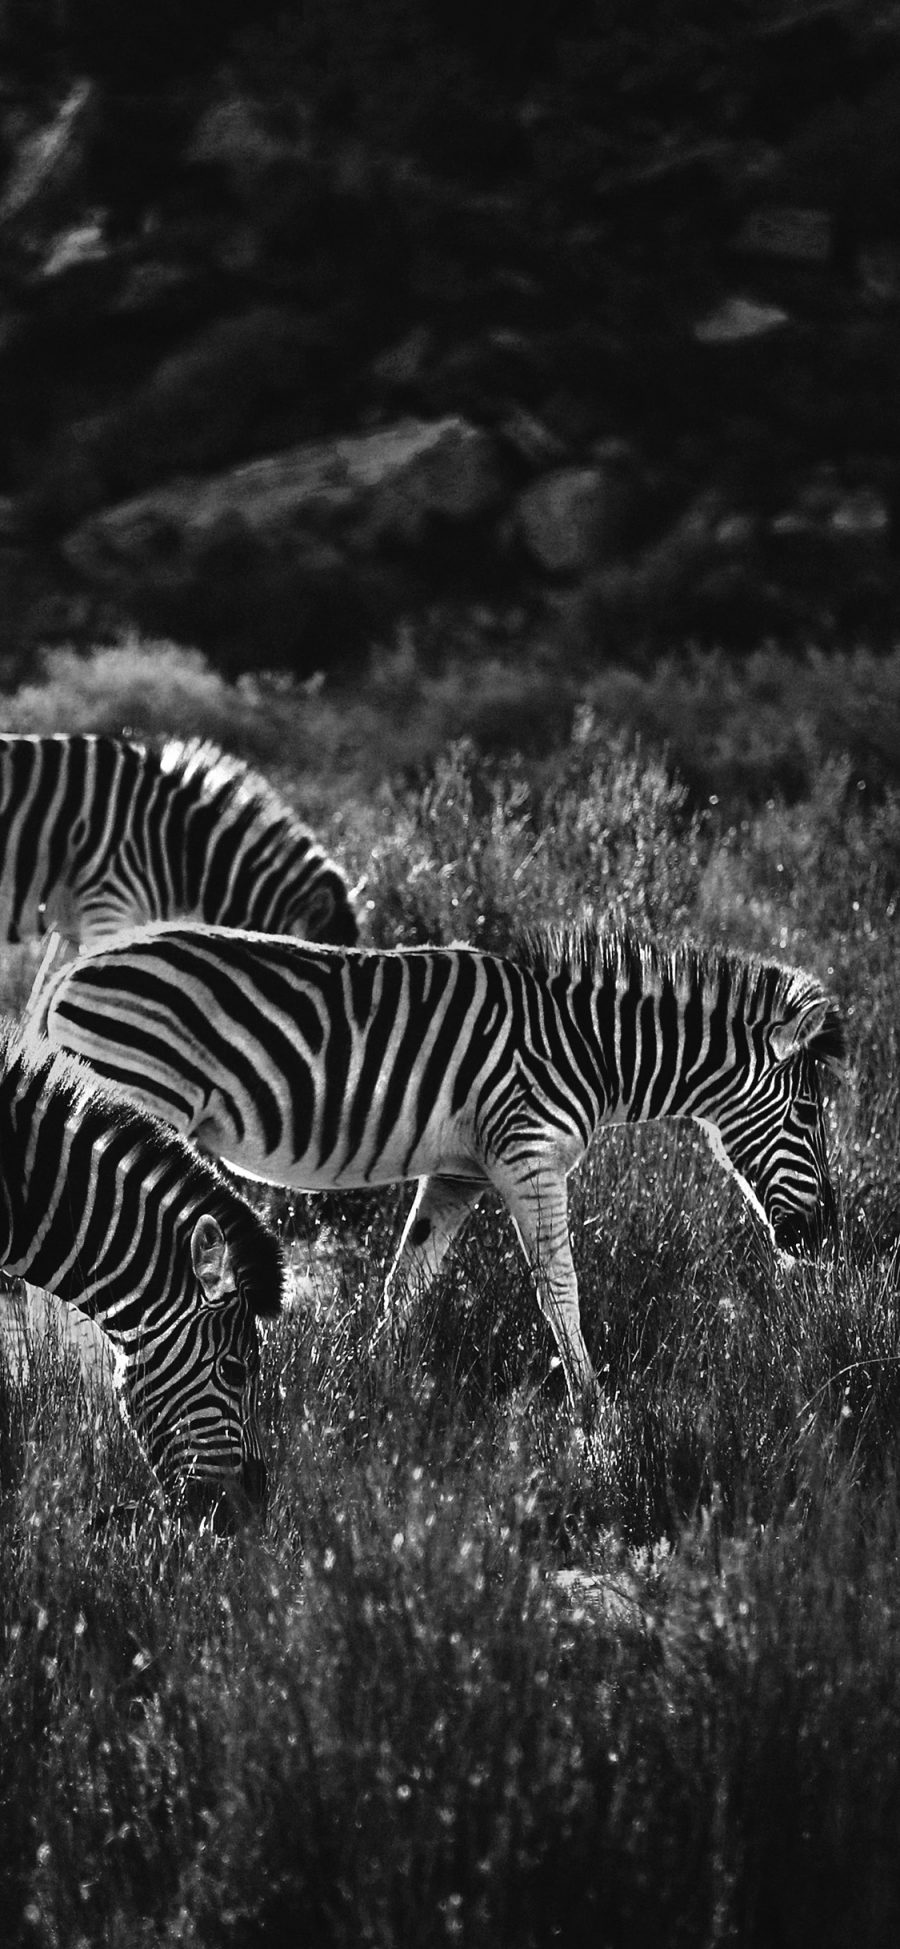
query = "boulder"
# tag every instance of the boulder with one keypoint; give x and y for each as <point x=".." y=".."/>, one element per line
<point x="786" y="231"/>
<point x="569" y="519"/>
<point x="287" y="556"/>
<point x="738" y="318"/>
<point x="46" y="184"/>
<point x="357" y="489"/>
<point x="234" y="134"/>
<point x="210" y="400"/>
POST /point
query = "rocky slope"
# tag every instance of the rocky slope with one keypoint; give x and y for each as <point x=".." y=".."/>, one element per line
<point x="611" y="354"/>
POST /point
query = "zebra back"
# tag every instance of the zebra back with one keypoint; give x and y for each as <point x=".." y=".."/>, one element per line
<point x="98" y="833"/>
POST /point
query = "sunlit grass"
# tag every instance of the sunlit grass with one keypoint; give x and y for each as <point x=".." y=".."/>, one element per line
<point x="481" y="1679"/>
<point x="400" y="1715"/>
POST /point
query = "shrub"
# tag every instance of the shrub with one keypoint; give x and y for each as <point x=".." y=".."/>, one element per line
<point x="478" y="853"/>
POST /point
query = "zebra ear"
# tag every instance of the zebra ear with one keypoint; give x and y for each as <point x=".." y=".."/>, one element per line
<point x="818" y="1030"/>
<point x="211" y="1260"/>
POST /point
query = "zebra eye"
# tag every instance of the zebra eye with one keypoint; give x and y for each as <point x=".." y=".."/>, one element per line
<point x="232" y="1372"/>
<point x="807" y="1109"/>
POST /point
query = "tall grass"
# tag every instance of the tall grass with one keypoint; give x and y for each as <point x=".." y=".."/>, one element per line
<point x="479" y="1681"/>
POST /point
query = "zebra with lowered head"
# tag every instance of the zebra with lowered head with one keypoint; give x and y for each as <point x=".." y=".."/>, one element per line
<point x="103" y="1206"/>
<point x="99" y="833"/>
<point x="320" y="1068"/>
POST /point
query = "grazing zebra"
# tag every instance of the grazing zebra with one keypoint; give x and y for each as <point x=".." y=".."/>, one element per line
<point x="31" y="1318"/>
<point x="99" y="833"/>
<point x="103" y="1206"/>
<point x="320" y="1068"/>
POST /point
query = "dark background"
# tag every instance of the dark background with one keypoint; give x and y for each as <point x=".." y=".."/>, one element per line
<point x="646" y="259"/>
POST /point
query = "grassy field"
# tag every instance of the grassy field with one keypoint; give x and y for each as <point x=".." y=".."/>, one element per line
<point x="478" y="1683"/>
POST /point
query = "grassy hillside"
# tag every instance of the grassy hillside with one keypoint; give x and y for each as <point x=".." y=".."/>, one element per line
<point x="478" y="1683"/>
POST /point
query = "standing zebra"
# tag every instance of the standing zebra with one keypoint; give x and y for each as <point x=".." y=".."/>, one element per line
<point x="320" y="1069"/>
<point x="99" y="833"/>
<point x="103" y="1206"/>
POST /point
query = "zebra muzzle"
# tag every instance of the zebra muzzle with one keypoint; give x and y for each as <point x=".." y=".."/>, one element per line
<point x="228" y="1506"/>
<point x="803" y="1233"/>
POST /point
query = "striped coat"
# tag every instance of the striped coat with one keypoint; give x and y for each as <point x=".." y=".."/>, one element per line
<point x="320" y="1068"/>
<point x="99" y="833"/>
<point x="106" y="1208"/>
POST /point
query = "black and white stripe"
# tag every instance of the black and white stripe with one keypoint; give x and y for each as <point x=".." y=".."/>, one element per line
<point x="100" y="833"/>
<point x="320" y="1068"/>
<point x="103" y="1206"/>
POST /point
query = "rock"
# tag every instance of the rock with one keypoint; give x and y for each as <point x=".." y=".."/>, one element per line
<point x="786" y="231"/>
<point x="861" y="515"/>
<point x="736" y="531"/>
<point x="69" y="482"/>
<point x="271" y="557"/>
<point x="156" y="286"/>
<point x="532" y="439"/>
<point x="569" y="518"/>
<point x="47" y="179"/>
<point x="824" y="506"/>
<point x="211" y="399"/>
<point x="879" y="268"/>
<point x="235" y="135"/>
<point x="639" y="589"/>
<point x="83" y="243"/>
<point x="739" y="318"/>
<point x="78" y="278"/>
<point x="401" y="366"/>
<point x="10" y="520"/>
<point x="361" y="487"/>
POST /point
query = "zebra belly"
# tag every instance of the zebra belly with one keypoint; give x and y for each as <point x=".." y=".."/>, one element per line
<point x="287" y="1130"/>
<point x="344" y="1165"/>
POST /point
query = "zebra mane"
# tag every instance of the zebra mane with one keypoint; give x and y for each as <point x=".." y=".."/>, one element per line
<point x="257" y="1254"/>
<point x="232" y="785"/>
<point x="243" y="798"/>
<point x="765" y="990"/>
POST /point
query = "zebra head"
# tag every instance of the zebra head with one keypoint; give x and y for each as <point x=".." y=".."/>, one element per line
<point x="192" y="1387"/>
<point x="768" y="1124"/>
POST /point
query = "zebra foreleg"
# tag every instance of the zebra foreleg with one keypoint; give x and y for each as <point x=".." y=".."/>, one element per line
<point x="438" y="1210"/>
<point x="539" y="1212"/>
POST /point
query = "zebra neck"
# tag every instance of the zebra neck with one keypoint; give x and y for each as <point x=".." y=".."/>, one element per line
<point x="651" y="1044"/>
<point x="97" y="1297"/>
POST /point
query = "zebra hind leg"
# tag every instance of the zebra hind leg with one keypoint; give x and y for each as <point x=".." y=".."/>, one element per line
<point x="439" y="1208"/>
<point x="539" y="1210"/>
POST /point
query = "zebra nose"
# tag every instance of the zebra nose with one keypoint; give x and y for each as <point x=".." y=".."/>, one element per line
<point x="241" y="1502"/>
<point x="802" y="1233"/>
<point x="227" y="1506"/>
<point x="795" y="1233"/>
<point x="255" y="1484"/>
